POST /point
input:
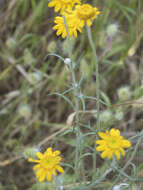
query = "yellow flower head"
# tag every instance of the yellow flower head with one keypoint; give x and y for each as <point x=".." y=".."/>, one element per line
<point x="112" y="144"/>
<point x="72" y="23"/>
<point x="63" y="5"/>
<point x="86" y="13"/>
<point x="47" y="164"/>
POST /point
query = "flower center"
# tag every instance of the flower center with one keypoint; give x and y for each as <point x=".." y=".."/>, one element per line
<point x="113" y="143"/>
<point x="85" y="12"/>
<point x="48" y="163"/>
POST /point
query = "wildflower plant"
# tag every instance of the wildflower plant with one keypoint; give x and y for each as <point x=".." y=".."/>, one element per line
<point x="73" y="17"/>
<point x="100" y="134"/>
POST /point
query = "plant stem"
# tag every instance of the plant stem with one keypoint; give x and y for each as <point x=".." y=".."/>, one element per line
<point x="97" y="75"/>
<point x="97" y="92"/>
<point x="76" y="99"/>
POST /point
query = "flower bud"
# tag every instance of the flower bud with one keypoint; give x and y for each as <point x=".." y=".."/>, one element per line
<point x="28" y="58"/>
<point x="112" y="30"/>
<point x="67" y="61"/>
<point x="106" y="117"/>
<point x="119" y="115"/>
<point x="118" y="187"/>
<point x="35" y="77"/>
<point x="30" y="152"/>
<point x="124" y="93"/>
<point x="24" y="111"/>
<point x="11" y="43"/>
<point x="51" y="47"/>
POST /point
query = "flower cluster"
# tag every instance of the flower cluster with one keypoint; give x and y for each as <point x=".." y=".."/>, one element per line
<point x="76" y="15"/>
<point x="112" y="143"/>
<point x="47" y="164"/>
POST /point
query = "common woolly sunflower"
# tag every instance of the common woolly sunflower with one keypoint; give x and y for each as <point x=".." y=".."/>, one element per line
<point x="47" y="164"/>
<point x="63" y="5"/>
<point x="112" y="143"/>
<point x="73" y="25"/>
<point x="86" y="13"/>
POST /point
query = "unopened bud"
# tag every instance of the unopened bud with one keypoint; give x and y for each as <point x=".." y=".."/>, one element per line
<point x="30" y="152"/>
<point x="51" y="47"/>
<point x="124" y="93"/>
<point x="28" y="58"/>
<point x="11" y="43"/>
<point x="24" y="111"/>
<point x="119" y="116"/>
<point x="67" y="61"/>
<point x="112" y="30"/>
<point x="35" y="77"/>
<point x="118" y="187"/>
<point x="106" y="116"/>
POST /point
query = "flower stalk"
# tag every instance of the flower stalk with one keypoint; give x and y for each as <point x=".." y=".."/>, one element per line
<point x="76" y="99"/>
<point x="97" y="75"/>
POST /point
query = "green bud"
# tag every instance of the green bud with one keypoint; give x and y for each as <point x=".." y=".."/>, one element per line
<point x="35" y="77"/>
<point x="112" y="30"/>
<point x="11" y="43"/>
<point x="106" y="117"/>
<point x="51" y="47"/>
<point x="30" y="152"/>
<point x="28" y="57"/>
<point x="124" y="93"/>
<point x="24" y="111"/>
<point x="119" y="116"/>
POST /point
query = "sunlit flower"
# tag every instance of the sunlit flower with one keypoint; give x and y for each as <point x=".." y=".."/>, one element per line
<point x="86" y="13"/>
<point x="47" y="164"/>
<point x="112" y="144"/>
<point x="63" y="5"/>
<point x="73" y="25"/>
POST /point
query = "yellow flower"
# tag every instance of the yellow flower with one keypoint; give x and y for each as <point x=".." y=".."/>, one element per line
<point x="86" y="13"/>
<point x="72" y="23"/>
<point x="112" y="144"/>
<point x="63" y="5"/>
<point x="47" y="164"/>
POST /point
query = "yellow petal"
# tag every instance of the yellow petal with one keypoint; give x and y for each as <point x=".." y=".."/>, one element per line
<point x="57" y="7"/>
<point x="100" y="148"/>
<point x="33" y="160"/>
<point x="89" y="23"/>
<point x="115" y="132"/>
<point x="122" y="151"/>
<point x="49" y="176"/>
<point x="110" y="154"/>
<point x="103" y="135"/>
<point x="39" y="155"/>
<point x="60" y="169"/>
<point x="104" y="154"/>
<point x="36" y="167"/>
<point x="42" y="177"/>
<point x="101" y="142"/>
<point x="51" y="4"/>
<point x="57" y="152"/>
<point x="126" y="144"/>
<point x="117" y="154"/>
<point x="40" y="173"/>
<point x="54" y="172"/>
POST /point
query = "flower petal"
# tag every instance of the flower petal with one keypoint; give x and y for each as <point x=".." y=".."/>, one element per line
<point x="60" y="169"/>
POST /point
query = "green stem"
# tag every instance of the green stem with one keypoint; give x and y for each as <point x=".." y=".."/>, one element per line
<point x="97" y="75"/>
<point x="76" y="99"/>
<point x="97" y="92"/>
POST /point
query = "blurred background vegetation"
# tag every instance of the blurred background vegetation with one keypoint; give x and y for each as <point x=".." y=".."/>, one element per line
<point x="30" y="108"/>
